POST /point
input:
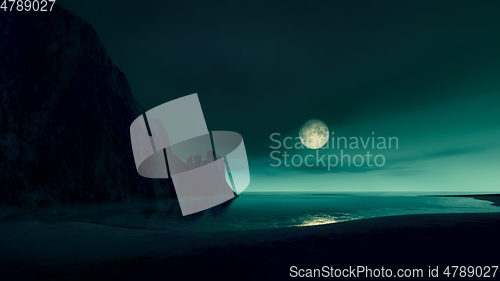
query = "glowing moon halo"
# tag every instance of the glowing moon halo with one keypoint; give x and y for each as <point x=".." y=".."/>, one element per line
<point x="314" y="134"/>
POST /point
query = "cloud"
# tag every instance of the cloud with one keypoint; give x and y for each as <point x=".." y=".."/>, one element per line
<point x="400" y="166"/>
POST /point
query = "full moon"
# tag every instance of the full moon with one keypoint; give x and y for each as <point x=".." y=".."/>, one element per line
<point x="314" y="134"/>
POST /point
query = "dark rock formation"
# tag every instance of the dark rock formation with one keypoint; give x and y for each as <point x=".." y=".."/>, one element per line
<point x="65" y="112"/>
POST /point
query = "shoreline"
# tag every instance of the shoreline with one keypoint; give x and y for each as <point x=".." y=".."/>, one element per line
<point x="80" y="251"/>
<point x="493" y="198"/>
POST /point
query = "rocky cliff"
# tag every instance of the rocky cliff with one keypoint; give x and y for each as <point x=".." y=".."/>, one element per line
<point x="65" y="112"/>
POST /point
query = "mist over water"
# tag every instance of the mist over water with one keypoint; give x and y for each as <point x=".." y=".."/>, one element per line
<point x="269" y="210"/>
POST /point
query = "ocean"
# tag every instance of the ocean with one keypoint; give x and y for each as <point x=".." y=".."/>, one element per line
<point x="269" y="210"/>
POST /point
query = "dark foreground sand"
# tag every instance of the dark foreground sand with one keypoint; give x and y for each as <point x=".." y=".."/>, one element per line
<point x="54" y="250"/>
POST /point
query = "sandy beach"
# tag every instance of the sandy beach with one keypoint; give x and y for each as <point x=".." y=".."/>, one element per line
<point x="55" y="250"/>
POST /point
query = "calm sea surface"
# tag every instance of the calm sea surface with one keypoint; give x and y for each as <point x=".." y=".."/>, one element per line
<point x="270" y="210"/>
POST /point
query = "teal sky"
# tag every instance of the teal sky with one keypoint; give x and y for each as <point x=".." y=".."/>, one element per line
<point x="426" y="72"/>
